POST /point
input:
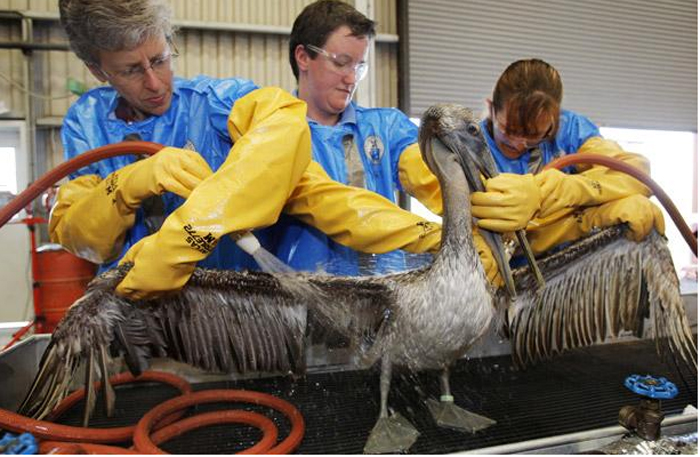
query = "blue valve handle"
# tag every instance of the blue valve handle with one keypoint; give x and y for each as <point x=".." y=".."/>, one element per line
<point x="18" y="445"/>
<point x="651" y="386"/>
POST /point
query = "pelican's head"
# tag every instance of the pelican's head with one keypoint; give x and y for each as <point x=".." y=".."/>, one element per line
<point x="460" y="132"/>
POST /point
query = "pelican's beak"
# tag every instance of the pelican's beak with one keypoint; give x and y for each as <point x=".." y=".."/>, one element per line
<point x="468" y="148"/>
<point x="482" y="159"/>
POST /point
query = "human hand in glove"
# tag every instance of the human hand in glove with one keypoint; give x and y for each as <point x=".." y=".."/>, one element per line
<point x="560" y="190"/>
<point x="637" y="211"/>
<point x="508" y="204"/>
<point x="589" y="188"/>
<point x="487" y="259"/>
<point x="170" y="170"/>
<point x="92" y="215"/>
<point x="150" y="276"/>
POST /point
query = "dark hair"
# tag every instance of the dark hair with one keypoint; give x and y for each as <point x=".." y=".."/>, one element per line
<point x="530" y="89"/>
<point x="319" y="19"/>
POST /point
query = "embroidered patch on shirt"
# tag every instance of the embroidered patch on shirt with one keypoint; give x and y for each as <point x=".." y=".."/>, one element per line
<point x="374" y="148"/>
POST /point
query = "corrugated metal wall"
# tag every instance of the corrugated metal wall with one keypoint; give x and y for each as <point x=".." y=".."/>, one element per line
<point x="253" y="44"/>
<point x="624" y="63"/>
<point x="261" y="56"/>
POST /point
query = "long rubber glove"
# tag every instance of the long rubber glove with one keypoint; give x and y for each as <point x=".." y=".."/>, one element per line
<point x="637" y="211"/>
<point x="593" y="186"/>
<point x="511" y="200"/>
<point x="417" y="179"/>
<point x="91" y="216"/>
<point x="508" y="204"/>
<point x="368" y="222"/>
<point x="357" y="218"/>
<point x="272" y="148"/>
<point x="487" y="260"/>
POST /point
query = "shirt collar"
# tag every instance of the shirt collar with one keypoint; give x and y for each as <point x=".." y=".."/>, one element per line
<point x="349" y="116"/>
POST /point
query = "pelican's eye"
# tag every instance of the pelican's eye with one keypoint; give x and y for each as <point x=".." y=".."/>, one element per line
<point x="473" y="129"/>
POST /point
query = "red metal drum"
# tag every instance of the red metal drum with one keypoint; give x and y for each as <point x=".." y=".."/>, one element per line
<point x="60" y="278"/>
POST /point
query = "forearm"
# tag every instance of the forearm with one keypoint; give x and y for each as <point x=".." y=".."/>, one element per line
<point x="357" y="218"/>
<point x="272" y="148"/>
<point x="614" y="184"/>
<point x="418" y="180"/>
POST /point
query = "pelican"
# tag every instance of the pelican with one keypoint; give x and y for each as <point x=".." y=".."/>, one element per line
<point x="422" y="319"/>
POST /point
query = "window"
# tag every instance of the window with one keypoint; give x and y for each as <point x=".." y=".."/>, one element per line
<point x="673" y="158"/>
<point x="8" y="170"/>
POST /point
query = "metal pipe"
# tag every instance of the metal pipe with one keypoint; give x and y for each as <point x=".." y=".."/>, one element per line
<point x="24" y="46"/>
<point x="577" y="437"/>
<point x="195" y="25"/>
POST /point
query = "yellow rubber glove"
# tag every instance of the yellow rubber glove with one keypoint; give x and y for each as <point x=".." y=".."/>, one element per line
<point x="358" y="218"/>
<point x="594" y="185"/>
<point x="487" y="259"/>
<point x="555" y="232"/>
<point x="637" y="211"/>
<point x="508" y="204"/>
<point x="83" y="234"/>
<point x="417" y="179"/>
<point x="272" y="148"/>
<point x="422" y="184"/>
<point x="91" y="216"/>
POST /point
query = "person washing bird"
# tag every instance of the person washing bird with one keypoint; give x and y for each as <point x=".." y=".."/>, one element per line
<point x="526" y="128"/>
<point x="252" y="160"/>
<point x="356" y="145"/>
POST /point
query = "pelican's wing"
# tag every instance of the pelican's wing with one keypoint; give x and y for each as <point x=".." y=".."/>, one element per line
<point x="83" y="336"/>
<point x="599" y="288"/>
<point x="229" y="321"/>
<point x="352" y="311"/>
<point x="220" y="321"/>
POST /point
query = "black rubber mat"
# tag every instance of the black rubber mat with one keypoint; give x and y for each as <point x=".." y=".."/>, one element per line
<point x="582" y="390"/>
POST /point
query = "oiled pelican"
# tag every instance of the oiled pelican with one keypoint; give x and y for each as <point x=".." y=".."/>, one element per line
<point x="427" y="318"/>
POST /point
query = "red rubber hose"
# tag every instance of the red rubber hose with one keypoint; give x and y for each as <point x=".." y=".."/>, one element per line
<point x="125" y="378"/>
<point x="263" y="423"/>
<point x="62" y="447"/>
<point x="619" y="165"/>
<point x="144" y="444"/>
<point x="68" y="167"/>
<point x="178" y="428"/>
<point x="50" y="431"/>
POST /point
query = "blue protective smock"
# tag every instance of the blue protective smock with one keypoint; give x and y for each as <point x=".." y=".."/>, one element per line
<point x="574" y="130"/>
<point x="379" y="135"/>
<point x="198" y="113"/>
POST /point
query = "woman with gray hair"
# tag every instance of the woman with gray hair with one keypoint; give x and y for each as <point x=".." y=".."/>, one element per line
<point x="99" y="215"/>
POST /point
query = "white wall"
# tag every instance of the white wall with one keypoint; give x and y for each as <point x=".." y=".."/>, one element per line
<point x="15" y="275"/>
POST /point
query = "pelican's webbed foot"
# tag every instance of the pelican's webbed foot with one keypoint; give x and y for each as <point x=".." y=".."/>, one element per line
<point x="391" y="435"/>
<point x="449" y="415"/>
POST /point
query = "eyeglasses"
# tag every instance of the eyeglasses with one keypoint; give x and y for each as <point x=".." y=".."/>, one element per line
<point x="342" y="64"/>
<point x="161" y="66"/>
<point x="516" y="142"/>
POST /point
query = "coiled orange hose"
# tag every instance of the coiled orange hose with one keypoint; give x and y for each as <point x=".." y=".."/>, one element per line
<point x="144" y="444"/>
<point x="50" y="431"/>
<point x="63" y="439"/>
